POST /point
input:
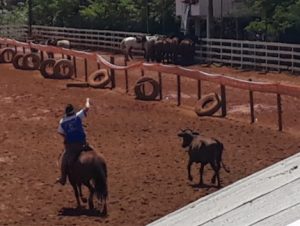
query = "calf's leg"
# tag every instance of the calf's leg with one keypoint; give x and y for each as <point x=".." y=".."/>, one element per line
<point x="216" y="168"/>
<point x="189" y="170"/>
<point x="201" y="173"/>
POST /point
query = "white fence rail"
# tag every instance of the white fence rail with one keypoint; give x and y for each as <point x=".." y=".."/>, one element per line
<point x="18" y="32"/>
<point x="252" y="54"/>
<point x="85" y="38"/>
<point x="244" y="54"/>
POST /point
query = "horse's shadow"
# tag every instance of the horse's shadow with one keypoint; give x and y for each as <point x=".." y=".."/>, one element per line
<point x="204" y="186"/>
<point x="70" y="212"/>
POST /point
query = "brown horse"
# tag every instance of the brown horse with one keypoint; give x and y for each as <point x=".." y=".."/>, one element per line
<point x="90" y="170"/>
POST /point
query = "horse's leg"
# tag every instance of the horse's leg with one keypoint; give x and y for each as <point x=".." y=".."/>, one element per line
<point x="76" y="195"/>
<point x="129" y="52"/>
<point x="126" y="54"/>
<point x="104" y="210"/>
<point x="92" y="191"/>
<point x="84" y="200"/>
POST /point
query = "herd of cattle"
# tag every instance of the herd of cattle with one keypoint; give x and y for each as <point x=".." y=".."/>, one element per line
<point x="162" y="49"/>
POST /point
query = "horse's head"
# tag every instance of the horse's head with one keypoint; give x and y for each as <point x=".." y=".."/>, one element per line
<point x="51" y="42"/>
<point x="141" y="38"/>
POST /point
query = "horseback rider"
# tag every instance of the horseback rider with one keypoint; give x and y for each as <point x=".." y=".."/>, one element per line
<point x="71" y="129"/>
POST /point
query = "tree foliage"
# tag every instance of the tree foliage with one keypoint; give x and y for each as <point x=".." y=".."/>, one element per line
<point x="273" y="17"/>
<point x="129" y="15"/>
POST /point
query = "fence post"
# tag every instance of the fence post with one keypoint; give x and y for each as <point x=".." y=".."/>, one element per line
<point x="242" y="55"/>
<point x="279" y="63"/>
<point x="292" y="60"/>
<point x="199" y="89"/>
<point x="251" y="104"/>
<point x="223" y="99"/>
<point x="266" y="55"/>
<point x="126" y="77"/>
<point x="42" y="55"/>
<point x="112" y="72"/>
<point x="85" y="70"/>
<point x="279" y="111"/>
<point x="160" y="86"/>
<point x="178" y="91"/>
<point x="255" y="64"/>
<point x="75" y="67"/>
<point x="231" y="56"/>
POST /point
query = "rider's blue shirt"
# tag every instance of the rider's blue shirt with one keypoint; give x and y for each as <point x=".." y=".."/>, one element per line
<point x="71" y="127"/>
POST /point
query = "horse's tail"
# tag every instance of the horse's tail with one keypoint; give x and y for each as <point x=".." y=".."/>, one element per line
<point x="101" y="181"/>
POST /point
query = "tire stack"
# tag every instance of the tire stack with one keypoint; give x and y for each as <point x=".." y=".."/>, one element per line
<point x="28" y="61"/>
<point x="57" y="69"/>
<point x="7" y="55"/>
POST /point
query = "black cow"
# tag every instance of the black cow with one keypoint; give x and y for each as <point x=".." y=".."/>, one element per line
<point x="203" y="150"/>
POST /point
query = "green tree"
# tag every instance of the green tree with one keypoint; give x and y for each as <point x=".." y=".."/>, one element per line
<point x="273" y="16"/>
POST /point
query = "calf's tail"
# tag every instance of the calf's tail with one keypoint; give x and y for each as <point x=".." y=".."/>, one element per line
<point x="225" y="167"/>
<point x="220" y="156"/>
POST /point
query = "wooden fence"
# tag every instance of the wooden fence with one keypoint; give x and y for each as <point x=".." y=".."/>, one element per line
<point x="252" y="55"/>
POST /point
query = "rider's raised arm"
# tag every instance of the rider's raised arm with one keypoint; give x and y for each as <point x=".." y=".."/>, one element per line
<point x="83" y="112"/>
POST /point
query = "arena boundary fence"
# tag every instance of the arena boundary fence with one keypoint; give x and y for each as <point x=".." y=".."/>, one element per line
<point x="254" y="55"/>
<point x="278" y="89"/>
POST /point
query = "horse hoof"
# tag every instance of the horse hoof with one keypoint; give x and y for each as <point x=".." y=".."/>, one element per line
<point x="91" y="206"/>
<point x="79" y="207"/>
<point x="104" y="211"/>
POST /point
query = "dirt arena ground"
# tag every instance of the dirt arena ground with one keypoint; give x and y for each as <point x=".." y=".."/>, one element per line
<point x="146" y="164"/>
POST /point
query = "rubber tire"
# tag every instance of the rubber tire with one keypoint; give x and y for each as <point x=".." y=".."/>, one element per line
<point x="36" y="60"/>
<point x="201" y="108"/>
<point x="49" y="62"/>
<point x="105" y="79"/>
<point x="58" y="64"/>
<point x="138" y="91"/>
<point x="4" y="51"/>
<point x="18" y="61"/>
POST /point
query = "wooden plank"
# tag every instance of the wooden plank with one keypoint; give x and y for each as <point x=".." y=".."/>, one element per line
<point x="260" y="208"/>
<point x="235" y="195"/>
<point x="288" y="216"/>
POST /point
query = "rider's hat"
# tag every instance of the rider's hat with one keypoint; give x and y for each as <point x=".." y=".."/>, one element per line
<point x="69" y="110"/>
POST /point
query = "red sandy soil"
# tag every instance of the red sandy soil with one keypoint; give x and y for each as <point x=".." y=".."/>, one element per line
<point x="146" y="164"/>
